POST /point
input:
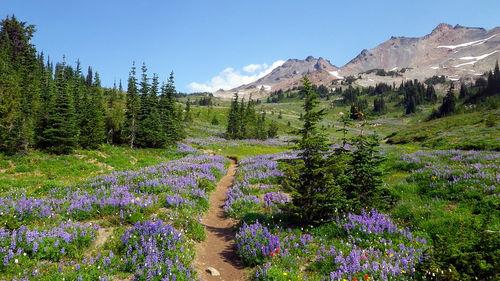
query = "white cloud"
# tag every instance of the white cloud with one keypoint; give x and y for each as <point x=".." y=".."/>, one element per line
<point x="251" y="68"/>
<point x="230" y="78"/>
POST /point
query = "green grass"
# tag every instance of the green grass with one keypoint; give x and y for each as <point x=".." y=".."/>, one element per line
<point x="462" y="131"/>
<point x="245" y="150"/>
<point x="38" y="169"/>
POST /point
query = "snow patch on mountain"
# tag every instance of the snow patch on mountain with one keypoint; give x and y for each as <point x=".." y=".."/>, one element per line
<point x="468" y="44"/>
<point x="475" y="59"/>
<point x="336" y="74"/>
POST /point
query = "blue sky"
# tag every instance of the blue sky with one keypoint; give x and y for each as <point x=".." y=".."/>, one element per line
<point x="223" y="42"/>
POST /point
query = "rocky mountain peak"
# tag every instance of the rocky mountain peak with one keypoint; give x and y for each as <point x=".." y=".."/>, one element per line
<point x="310" y="58"/>
<point x="442" y="27"/>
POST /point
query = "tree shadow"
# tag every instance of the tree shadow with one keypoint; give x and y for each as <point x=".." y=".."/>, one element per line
<point x="228" y="254"/>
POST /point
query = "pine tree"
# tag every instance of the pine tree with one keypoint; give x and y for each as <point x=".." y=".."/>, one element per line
<point x="464" y="92"/>
<point x="232" y="120"/>
<point x="448" y="105"/>
<point x="10" y="107"/>
<point x="260" y="127"/>
<point x="133" y="107"/>
<point x="272" y="130"/>
<point x="315" y="195"/>
<point x="430" y="94"/>
<point x="496" y="79"/>
<point x="60" y="134"/>
<point x="150" y="129"/>
<point x="47" y="96"/>
<point x="250" y="119"/>
<point x="170" y="116"/>
<point x="187" y="112"/>
<point x="242" y="120"/>
<point x="21" y="89"/>
<point x="92" y="126"/>
<point x="410" y="105"/>
<point x="90" y="77"/>
<point x="79" y="95"/>
<point x="363" y="173"/>
<point x="379" y="105"/>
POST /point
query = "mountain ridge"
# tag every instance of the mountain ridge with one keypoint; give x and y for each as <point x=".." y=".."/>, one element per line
<point x="457" y="52"/>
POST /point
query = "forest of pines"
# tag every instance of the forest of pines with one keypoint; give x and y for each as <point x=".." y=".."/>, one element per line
<point x="56" y="108"/>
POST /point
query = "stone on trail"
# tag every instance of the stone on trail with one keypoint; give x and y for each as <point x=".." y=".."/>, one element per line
<point x="213" y="271"/>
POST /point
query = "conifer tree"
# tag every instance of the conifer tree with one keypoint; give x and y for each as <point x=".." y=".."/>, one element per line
<point x="92" y="126"/>
<point x="260" y="127"/>
<point x="242" y="120"/>
<point x="60" y="134"/>
<point x="430" y="94"/>
<point x="133" y="107"/>
<point x="21" y="89"/>
<point x="79" y="95"/>
<point x="464" y="92"/>
<point x="232" y="120"/>
<point x="150" y="132"/>
<point x="272" y="130"/>
<point x="363" y="173"/>
<point x="250" y="119"/>
<point x="10" y="107"/>
<point x="315" y="195"/>
<point x="90" y="77"/>
<point x="170" y="117"/>
<point x="187" y="111"/>
<point x="448" y="105"/>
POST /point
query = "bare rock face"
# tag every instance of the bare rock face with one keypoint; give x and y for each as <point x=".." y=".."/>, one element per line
<point x="457" y="52"/>
<point x="286" y="76"/>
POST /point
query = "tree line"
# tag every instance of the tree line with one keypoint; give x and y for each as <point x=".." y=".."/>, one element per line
<point x="58" y="108"/>
<point x="482" y="92"/>
<point x="244" y="122"/>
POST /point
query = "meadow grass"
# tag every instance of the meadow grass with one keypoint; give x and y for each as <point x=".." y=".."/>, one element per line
<point x="39" y="169"/>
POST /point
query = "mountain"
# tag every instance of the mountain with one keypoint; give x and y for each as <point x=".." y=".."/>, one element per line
<point x="457" y="52"/>
<point x="288" y="75"/>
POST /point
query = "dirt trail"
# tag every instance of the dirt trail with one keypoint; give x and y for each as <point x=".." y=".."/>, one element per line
<point x="217" y="250"/>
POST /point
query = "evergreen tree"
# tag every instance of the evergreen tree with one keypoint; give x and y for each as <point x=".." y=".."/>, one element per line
<point x="272" y="131"/>
<point x="379" y="105"/>
<point x="464" y="92"/>
<point x="242" y="120"/>
<point x="150" y="130"/>
<point x="232" y="120"/>
<point x="187" y="112"/>
<point x="430" y="94"/>
<point x="250" y="119"/>
<point x="315" y="195"/>
<point x="133" y="108"/>
<point x="90" y="77"/>
<point x="363" y="173"/>
<point x="10" y="107"/>
<point x="60" y="134"/>
<point x="92" y="127"/>
<point x="448" y="105"/>
<point x="170" y="117"/>
<point x="79" y="96"/>
<point x="20" y="89"/>
<point x="260" y="127"/>
<point x="410" y="104"/>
